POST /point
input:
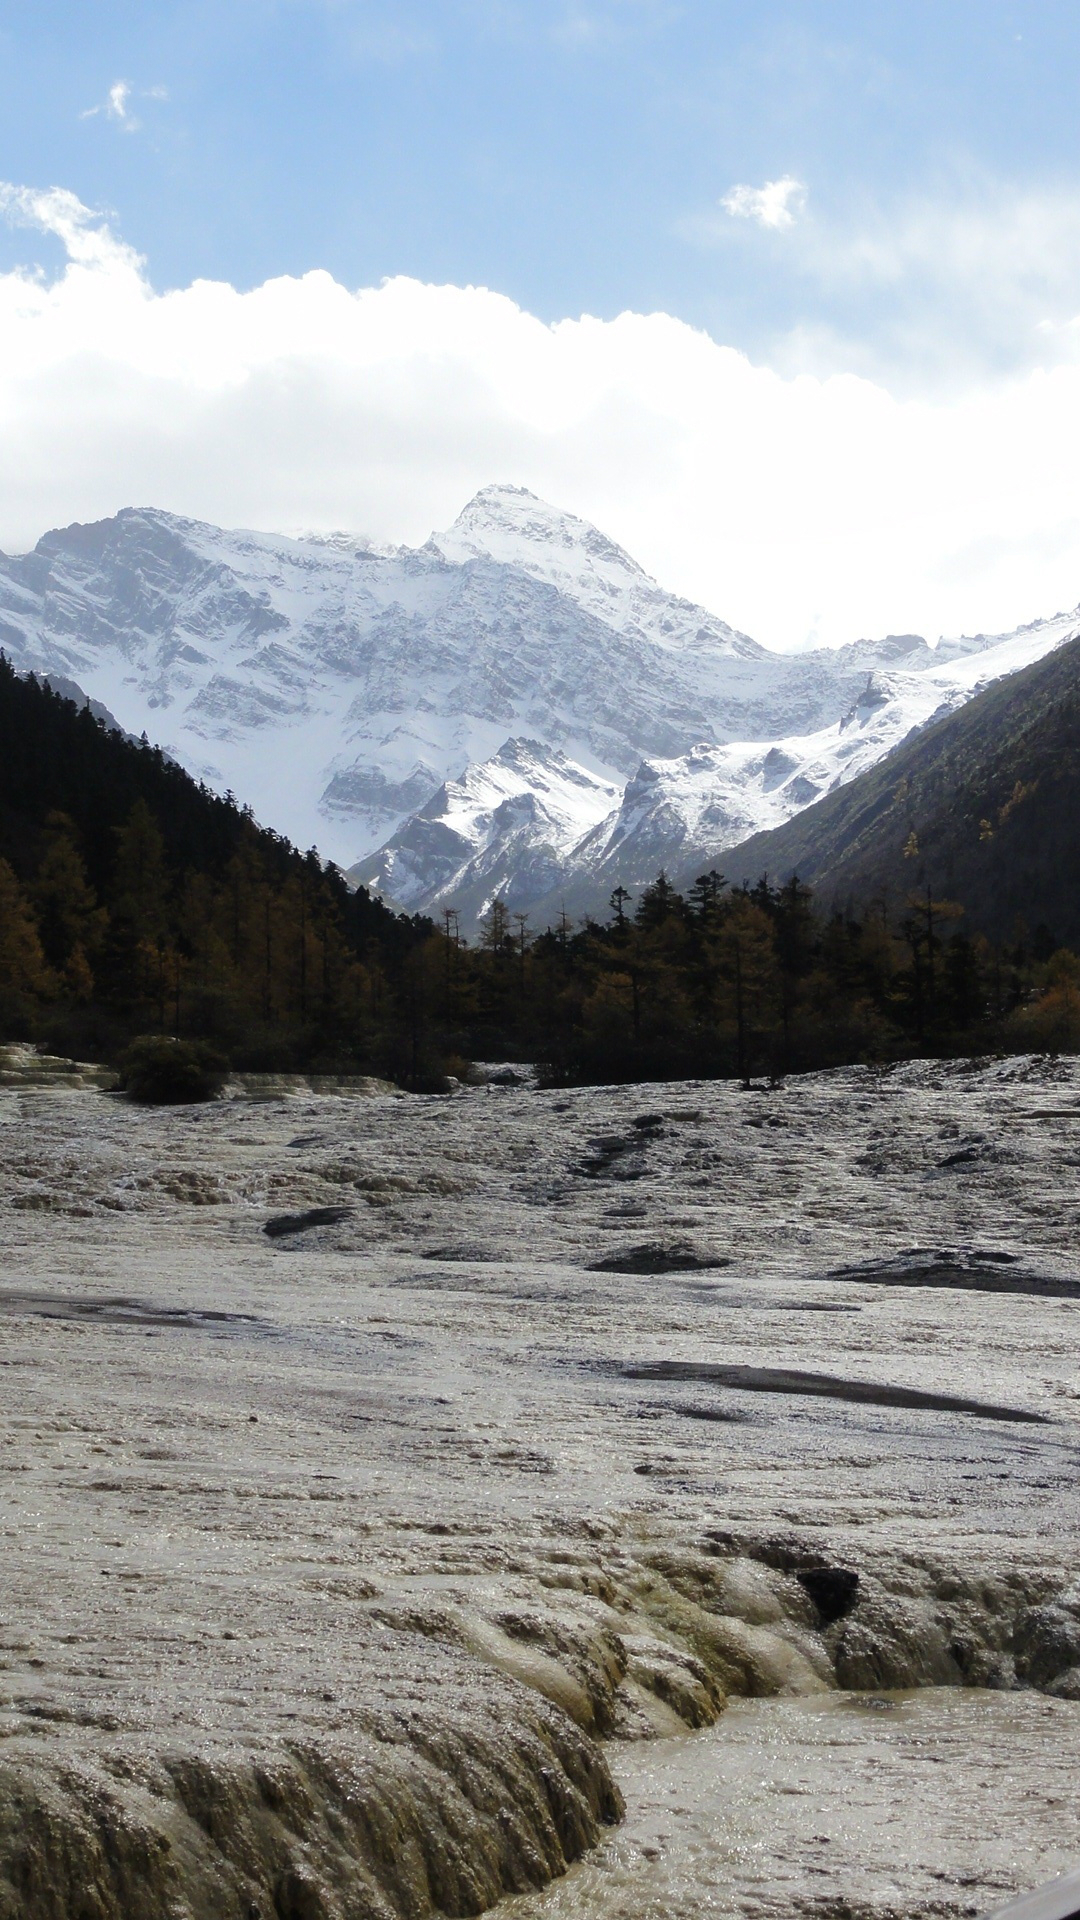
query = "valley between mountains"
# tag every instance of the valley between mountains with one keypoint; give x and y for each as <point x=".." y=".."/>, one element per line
<point x="514" y="709"/>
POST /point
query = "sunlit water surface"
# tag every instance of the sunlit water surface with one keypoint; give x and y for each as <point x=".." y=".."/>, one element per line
<point x="939" y="1802"/>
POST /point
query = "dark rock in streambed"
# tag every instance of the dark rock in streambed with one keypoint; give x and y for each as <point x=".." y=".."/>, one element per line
<point x="286" y="1223"/>
<point x="809" y="1306"/>
<point x="716" y="1414"/>
<point x="970" y="1269"/>
<point x="466" y="1250"/>
<point x="1047" y="1646"/>
<point x="656" y="1257"/>
<point x="608" y="1152"/>
<point x="120" y="1310"/>
<point x="825" y="1386"/>
<point x="833" y="1590"/>
<point x="479" y="1075"/>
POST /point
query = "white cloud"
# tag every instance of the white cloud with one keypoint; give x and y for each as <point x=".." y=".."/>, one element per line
<point x="786" y="503"/>
<point x="116" y="105"/>
<point x="975" y="277"/>
<point x="773" y="205"/>
<point x="87" y="238"/>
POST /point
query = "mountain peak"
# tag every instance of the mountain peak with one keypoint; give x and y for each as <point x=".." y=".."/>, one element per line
<point x="501" y="500"/>
<point x="515" y="528"/>
<point x="512" y="525"/>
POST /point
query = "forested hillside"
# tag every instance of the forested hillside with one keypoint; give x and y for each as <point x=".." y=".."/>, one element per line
<point x="133" y="899"/>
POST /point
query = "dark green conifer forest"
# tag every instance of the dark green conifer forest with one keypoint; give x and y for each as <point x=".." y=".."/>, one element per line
<point x="134" y="901"/>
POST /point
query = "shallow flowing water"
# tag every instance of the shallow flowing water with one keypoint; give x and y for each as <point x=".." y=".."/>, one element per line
<point x="937" y="1802"/>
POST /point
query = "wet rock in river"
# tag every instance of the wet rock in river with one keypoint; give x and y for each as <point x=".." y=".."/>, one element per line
<point x="1047" y="1643"/>
<point x="657" y="1257"/>
<point x="833" y="1590"/>
<point x="825" y="1386"/>
<point x="977" y="1269"/>
<point x="283" y="1224"/>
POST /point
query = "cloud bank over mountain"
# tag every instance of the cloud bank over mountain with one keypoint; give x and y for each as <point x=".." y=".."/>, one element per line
<point x="807" y="508"/>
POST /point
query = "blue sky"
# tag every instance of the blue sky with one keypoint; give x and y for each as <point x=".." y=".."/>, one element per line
<point x="314" y="264"/>
<point x="569" y="153"/>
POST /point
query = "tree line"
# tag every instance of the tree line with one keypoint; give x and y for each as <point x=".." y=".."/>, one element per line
<point x="747" y="981"/>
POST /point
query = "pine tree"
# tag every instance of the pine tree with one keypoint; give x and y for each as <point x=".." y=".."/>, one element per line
<point x="704" y="898"/>
<point x="658" y="903"/>
<point x="495" y="935"/>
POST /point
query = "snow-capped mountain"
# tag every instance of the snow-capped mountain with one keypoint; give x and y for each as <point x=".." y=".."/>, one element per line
<point x="697" y="805"/>
<point x="511" y="526"/>
<point x="335" y="686"/>
<point x="513" y="707"/>
<point x="508" y="828"/>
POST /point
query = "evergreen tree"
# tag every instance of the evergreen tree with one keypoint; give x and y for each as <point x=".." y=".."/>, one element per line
<point x="140" y="886"/>
<point x="69" y="918"/>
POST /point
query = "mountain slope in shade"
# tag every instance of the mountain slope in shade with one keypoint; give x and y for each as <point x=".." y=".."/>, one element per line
<point x="983" y="807"/>
<point x="704" y="802"/>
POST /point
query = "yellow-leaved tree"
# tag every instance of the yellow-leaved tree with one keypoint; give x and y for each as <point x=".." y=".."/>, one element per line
<point x="23" y="968"/>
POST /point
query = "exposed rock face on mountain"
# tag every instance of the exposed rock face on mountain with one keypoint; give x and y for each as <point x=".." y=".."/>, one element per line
<point x="515" y="706"/>
<point x="508" y="828"/>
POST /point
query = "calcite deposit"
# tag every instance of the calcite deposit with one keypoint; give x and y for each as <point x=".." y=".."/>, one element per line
<point x="372" y="1566"/>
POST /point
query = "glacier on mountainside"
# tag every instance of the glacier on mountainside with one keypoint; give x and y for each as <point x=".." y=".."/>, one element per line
<point x="515" y="707"/>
